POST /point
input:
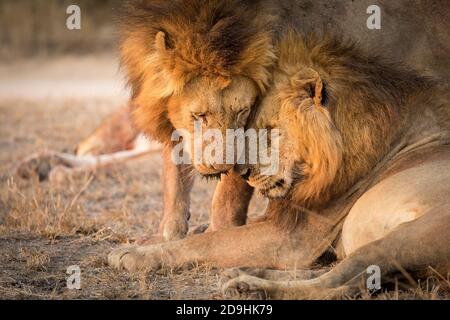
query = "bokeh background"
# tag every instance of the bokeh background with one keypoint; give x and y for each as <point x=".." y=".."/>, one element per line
<point x="35" y="27"/>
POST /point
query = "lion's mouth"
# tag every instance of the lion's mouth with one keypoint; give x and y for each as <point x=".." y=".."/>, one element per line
<point x="268" y="186"/>
<point x="275" y="189"/>
<point x="212" y="176"/>
<point x="212" y="172"/>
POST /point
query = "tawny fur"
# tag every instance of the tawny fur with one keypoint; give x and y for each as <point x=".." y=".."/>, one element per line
<point x="166" y="44"/>
<point x="373" y="118"/>
<point x="116" y="133"/>
<point x="369" y="104"/>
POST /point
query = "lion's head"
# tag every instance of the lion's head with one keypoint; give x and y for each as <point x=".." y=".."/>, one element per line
<point x="338" y="110"/>
<point x="310" y="147"/>
<point x="195" y="60"/>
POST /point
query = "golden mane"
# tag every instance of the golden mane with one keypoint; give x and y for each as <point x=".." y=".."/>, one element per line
<point x="366" y="109"/>
<point x="165" y="44"/>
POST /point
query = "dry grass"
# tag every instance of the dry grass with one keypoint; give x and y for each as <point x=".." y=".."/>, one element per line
<point x="35" y="259"/>
<point x="45" y="227"/>
<point x="46" y="214"/>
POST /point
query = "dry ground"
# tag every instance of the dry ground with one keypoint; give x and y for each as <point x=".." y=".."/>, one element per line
<point x="45" y="228"/>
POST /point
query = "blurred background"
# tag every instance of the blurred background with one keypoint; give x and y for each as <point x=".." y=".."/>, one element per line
<point x="38" y="28"/>
<point x="41" y="58"/>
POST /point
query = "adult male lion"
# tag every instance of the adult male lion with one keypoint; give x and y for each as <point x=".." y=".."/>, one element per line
<point x="227" y="40"/>
<point x="361" y="140"/>
<point x="181" y="55"/>
<point x="387" y="126"/>
<point x="195" y="60"/>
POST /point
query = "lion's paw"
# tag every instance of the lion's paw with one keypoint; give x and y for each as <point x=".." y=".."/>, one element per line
<point x="230" y="274"/>
<point x="245" y="286"/>
<point x="135" y="258"/>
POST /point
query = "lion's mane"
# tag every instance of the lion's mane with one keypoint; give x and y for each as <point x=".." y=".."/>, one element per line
<point x="165" y="44"/>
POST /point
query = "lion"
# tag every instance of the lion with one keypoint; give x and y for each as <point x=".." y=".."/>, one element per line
<point x="189" y="61"/>
<point x="198" y="49"/>
<point x="185" y="61"/>
<point x="396" y="160"/>
<point x="364" y="170"/>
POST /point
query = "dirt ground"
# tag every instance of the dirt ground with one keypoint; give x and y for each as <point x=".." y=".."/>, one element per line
<point x="47" y="227"/>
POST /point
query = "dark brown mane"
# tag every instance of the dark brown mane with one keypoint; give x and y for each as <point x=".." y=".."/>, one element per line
<point x="165" y="44"/>
<point x="203" y="37"/>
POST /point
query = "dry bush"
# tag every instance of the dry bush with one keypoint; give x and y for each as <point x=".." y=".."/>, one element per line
<point x="40" y="211"/>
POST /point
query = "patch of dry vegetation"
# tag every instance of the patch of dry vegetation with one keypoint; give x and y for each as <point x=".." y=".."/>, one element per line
<point x="35" y="259"/>
<point x="43" y="212"/>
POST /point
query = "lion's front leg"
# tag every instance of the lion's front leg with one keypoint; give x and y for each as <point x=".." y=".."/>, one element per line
<point x="259" y="245"/>
<point x="137" y="258"/>
<point x="230" y="203"/>
<point x="177" y="185"/>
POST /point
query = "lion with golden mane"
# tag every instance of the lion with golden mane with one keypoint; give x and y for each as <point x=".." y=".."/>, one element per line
<point x="364" y="169"/>
<point x="190" y="61"/>
<point x="212" y="61"/>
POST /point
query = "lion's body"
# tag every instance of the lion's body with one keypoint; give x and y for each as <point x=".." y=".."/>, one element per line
<point x="392" y="129"/>
<point x="405" y="195"/>
<point x="379" y="139"/>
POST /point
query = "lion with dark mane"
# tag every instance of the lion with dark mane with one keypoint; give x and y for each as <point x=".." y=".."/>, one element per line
<point x="190" y="61"/>
<point x="364" y="168"/>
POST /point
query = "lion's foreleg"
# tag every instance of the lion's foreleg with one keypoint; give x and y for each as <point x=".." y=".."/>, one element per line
<point x="177" y="184"/>
<point x="259" y="245"/>
<point x="230" y="202"/>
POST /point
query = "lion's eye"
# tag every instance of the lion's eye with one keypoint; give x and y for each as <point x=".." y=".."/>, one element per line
<point x="242" y="115"/>
<point x="200" y="116"/>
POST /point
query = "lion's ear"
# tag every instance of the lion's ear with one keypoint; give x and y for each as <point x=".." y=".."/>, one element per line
<point x="309" y="80"/>
<point x="162" y="42"/>
<point x="318" y="92"/>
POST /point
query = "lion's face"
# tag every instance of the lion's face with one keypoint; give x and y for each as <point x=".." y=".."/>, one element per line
<point x="212" y="104"/>
<point x="196" y="60"/>
<point x="279" y="183"/>
<point x="308" y="144"/>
